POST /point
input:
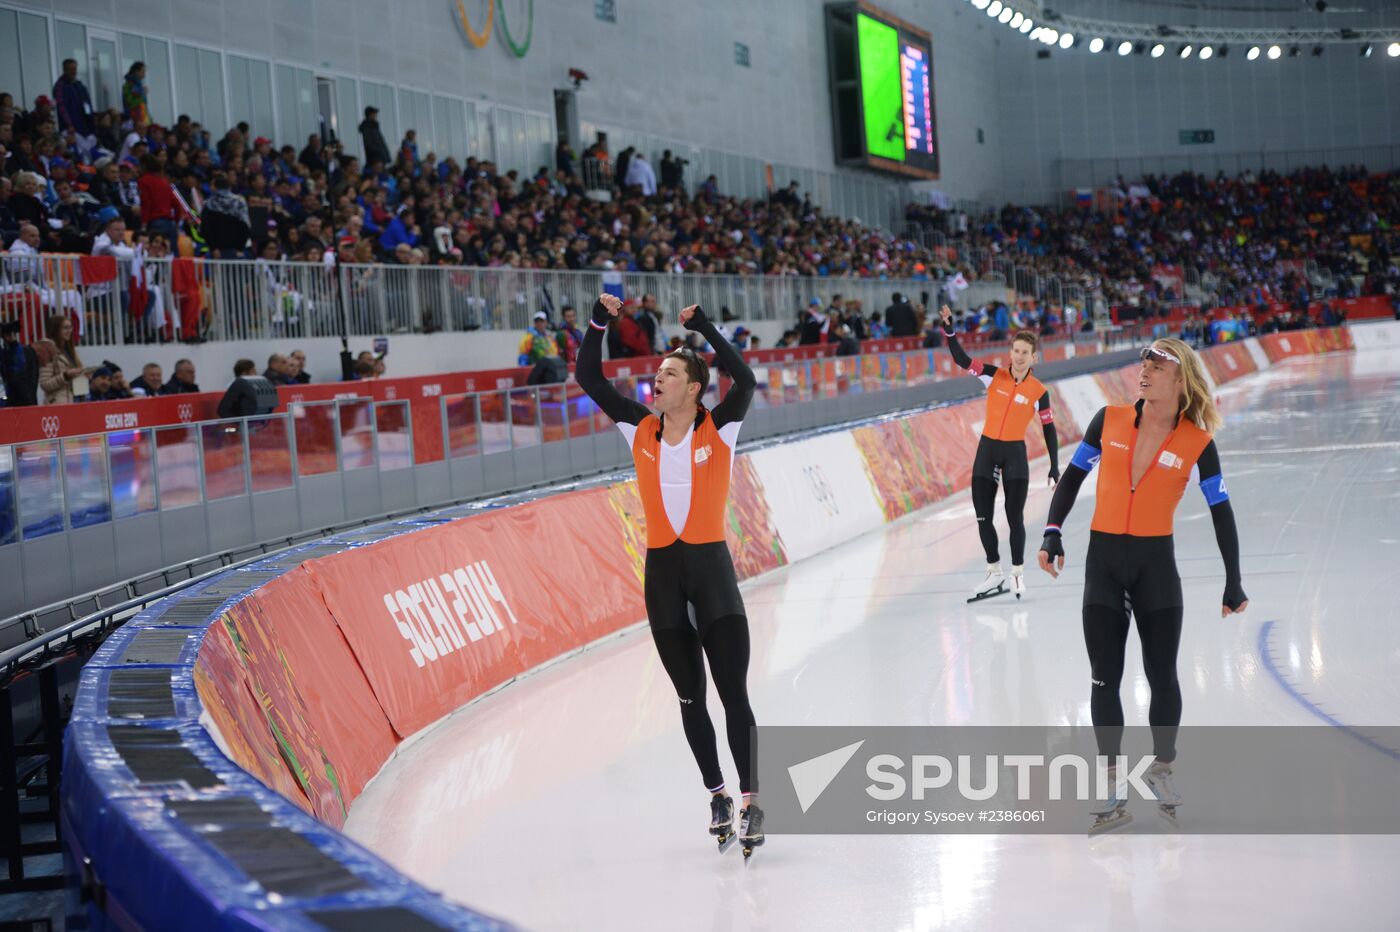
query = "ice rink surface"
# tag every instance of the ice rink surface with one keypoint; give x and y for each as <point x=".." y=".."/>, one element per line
<point x="569" y="800"/>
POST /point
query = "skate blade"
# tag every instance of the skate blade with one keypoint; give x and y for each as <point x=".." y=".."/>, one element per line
<point x="749" y="850"/>
<point x="1167" y="815"/>
<point x="726" y="841"/>
<point x="987" y="595"/>
<point x="1115" y="821"/>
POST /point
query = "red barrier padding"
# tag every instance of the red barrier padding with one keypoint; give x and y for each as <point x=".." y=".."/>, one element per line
<point x="441" y="615"/>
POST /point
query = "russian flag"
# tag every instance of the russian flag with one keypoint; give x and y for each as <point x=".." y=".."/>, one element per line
<point x="1084" y="197"/>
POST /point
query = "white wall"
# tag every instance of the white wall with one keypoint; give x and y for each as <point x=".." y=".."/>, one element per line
<point x="967" y="47"/>
<point x="1125" y="112"/>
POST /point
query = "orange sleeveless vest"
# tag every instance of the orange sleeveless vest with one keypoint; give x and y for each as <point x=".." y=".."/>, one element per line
<point x="1010" y="405"/>
<point x="1148" y="511"/>
<point x="709" y="484"/>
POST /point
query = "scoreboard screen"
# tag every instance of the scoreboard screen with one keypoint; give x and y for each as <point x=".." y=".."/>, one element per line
<point x="882" y="91"/>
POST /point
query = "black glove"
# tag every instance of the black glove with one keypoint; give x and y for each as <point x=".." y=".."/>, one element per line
<point x="1055" y="472"/>
<point x="600" y="314"/>
<point x="1052" y="546"/>
<point x="697" y="320"/>
<point x="1234" y="595"/>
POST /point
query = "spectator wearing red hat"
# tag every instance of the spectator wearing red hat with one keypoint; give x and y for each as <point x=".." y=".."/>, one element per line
<point x="33" y="124"/>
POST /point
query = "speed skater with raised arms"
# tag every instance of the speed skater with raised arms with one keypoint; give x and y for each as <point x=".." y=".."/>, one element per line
<point x="1014" y="394"/>
<point x="684" y="456"/>
<point x="1146" y="454"/>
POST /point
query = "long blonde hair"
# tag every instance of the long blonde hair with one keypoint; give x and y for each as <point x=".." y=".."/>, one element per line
<point x="1197" y="405"/>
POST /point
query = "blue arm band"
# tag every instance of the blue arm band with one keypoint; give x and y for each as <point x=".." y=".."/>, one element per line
<point x="1086" y="457"/>
<point x="1214" y="490"/>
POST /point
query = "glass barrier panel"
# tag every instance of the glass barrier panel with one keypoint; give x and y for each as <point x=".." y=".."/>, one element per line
<point x="580" y="413"/>
<point x="223" y="459"/>
<point x="892" y="369"/>
<point x="554" y="412"/>
<point x="770" y="385"/>
<point x="918" y="368"/>
<point x="85" y="464"/>
<point x="394" y="438"/>
<point x="808" y="379"/>
<point x="177" y="467"/>
<point x="871" y="373"/>
<point x="40" y="488"/>
<point x="270" y="453"/>
<point x="356" y="434"/>
<point x="9" y="526"/>
<point x="601" y="422"/>
<point x="133" y="470"/>
<point x="524" y="417"/>
<point x="782" y="381"/>
<point x="842" y="371"/>
<point x="314" y="427"/>
<point x="495" y="428"/>
<point x="642" y="389"/>
<point x="463" y="433"/>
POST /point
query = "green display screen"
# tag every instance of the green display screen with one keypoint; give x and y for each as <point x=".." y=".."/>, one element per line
<point x="881" y="92"/>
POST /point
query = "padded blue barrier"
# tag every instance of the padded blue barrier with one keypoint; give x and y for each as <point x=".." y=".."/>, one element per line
<point x="162" y="831"/>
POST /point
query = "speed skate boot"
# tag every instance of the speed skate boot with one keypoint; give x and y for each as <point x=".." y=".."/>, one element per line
<point x="751" y="828"/>
<point x="1158" y="778"/>
<point x="1018" y="581"/>
<point x="1112" y="812"/>
<point x="994" y="584"/>
<point x="722" y="820"/>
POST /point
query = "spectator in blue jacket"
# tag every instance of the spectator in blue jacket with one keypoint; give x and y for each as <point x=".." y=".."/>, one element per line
<point x="72" y="101"/>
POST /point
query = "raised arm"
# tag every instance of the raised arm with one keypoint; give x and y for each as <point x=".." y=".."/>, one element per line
<point x="1226" y="534"/>
<point x="589" y="369"/>
<point x="1052" y="440"/>
<point x="983" y="370"/>
<point x="735" y="404"/>
<point x="1052" y="552"/>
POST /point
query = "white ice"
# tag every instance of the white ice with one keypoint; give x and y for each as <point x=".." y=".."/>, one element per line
<point x="569" y="800"/>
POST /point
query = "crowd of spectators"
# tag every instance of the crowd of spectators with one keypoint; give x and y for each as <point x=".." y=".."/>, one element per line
<point x="114" y="183"/>
<point x="1248" y="237"/>
<point x="51" y="370"/>
<point x="70" y="173"/>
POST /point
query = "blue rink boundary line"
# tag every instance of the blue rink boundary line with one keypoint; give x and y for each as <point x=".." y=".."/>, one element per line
<point x="1271" y="664"/>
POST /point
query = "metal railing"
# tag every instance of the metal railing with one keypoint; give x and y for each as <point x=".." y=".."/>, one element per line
<point x="260" y="299"/>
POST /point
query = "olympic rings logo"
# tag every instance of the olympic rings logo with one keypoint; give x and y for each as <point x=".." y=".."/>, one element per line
<point x="50" y="426"/>
<point x="821" y="489"/>
<point x="479" y="39"/>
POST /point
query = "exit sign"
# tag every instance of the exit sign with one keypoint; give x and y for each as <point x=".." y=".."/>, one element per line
<point x="1195" y="137"/>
